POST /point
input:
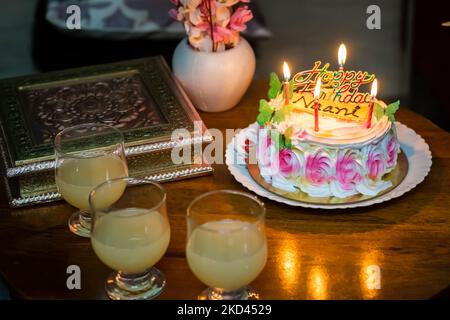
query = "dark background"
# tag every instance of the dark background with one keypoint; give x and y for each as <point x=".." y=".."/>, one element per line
<point x="409" y="55"/>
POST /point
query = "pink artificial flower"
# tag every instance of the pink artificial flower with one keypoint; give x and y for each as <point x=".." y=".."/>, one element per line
<point x="318" y="168"/>
<point x="239" y="18"/>
<point x="212" y="19"/>
<point x="198" y="40"/>
<point x="221" y="33"/>
<point x="229" y="3"/>
<point x="191" y="4"/>
<point x="174" y="14"/>
<point x="232" y="39"/>
<point x="348" y="170"/>
<point x="391" y="147"/>
<point x="375" y="163"/>
<point x="207" y="5"/>
<point x="288" y="162"/>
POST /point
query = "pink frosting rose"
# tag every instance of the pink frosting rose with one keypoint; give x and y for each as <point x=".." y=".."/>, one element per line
<point x="318" y="168"/>
<point x="390" y="146"/>
<point x="348" y="170"/>
<point x="288" y="162"/>
<point x="375" y="163"/>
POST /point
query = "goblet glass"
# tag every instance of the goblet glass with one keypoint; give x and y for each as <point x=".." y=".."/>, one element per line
<point x="226" y="246"/>
<point x="87" y="155"/>
<point x="130" y="235"/>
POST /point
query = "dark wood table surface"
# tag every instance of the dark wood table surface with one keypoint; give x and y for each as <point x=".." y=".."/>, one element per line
<point x="313" y="254"/>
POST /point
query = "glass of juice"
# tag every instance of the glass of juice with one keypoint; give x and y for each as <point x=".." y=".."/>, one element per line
<point x="130" y="236"/>
<point x="87" y="155"/>
<point x="226" y="245"/>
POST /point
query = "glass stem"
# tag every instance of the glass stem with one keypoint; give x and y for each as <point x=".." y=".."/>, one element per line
<point x="85" y="219"/>
<point x="133" y="282"/>
<point x="220" y="294"/>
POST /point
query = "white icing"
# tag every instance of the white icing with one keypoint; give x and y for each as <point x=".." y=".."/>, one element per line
<point x="315" y="190"/>
<point x="337" y="191"/>
<point x="333" y="131"/>
<point x="280" y="182"/>
<point x="369" y="187"/>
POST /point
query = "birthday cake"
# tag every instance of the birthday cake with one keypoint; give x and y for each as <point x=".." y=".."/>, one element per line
<point x="320" y="135"/>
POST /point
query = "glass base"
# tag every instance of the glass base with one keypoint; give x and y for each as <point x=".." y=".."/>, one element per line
<point x="246" y="293"/>
<point x="143" y="286"/>
<point x="80" y="224"/>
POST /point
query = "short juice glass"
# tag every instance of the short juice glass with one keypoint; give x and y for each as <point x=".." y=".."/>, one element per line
<point x="226" y="246"/>
<point x="131" y="235"/>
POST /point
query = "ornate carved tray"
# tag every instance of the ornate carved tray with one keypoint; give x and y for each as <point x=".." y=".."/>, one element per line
<point x="140" y="97"/>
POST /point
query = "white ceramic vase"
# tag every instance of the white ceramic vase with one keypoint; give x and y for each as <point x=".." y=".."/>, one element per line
<point x="215" y="81"/>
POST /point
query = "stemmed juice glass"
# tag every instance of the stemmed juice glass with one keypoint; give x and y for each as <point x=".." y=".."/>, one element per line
<point x="130" y="235"/>
<point x="87" y="155"/>
<point x="226" y="246"/>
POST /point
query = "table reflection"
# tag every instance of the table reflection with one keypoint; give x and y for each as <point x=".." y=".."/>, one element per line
<point x="289" y="266"/>
<point x="317" y="283"/>
<point x="370" y="273"/>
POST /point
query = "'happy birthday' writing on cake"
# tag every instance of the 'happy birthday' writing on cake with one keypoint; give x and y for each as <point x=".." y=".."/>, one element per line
<point x="340" y="96"/>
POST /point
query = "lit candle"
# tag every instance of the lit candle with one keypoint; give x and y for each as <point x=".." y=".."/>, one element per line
<point x="373" y="93"/>
<point x="287" y="76"/>
<point x="316" y="104"/>
<point x="342" y="55"/>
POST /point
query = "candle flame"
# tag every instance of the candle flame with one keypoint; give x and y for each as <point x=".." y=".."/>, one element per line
<point x="373" y="91"/>
<point x="342" y="54"/>
<point x="286" y="71"/>
<point x="317" y="89"/>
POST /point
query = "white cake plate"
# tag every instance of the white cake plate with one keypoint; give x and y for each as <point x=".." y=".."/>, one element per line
<point x="413" y="145"/>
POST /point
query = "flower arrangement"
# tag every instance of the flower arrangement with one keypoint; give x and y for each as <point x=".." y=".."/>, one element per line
<point x="212" y="25"/>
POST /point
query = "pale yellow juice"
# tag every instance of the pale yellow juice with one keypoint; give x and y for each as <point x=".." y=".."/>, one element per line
<point x="131" y="240"/>
<point x="76" y="178"/>
<point x="230" y="257"/>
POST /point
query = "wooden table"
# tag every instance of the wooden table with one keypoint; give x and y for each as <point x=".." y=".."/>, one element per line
<point x="313" y="254"/>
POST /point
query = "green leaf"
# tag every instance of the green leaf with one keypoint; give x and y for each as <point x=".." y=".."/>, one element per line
<point x="391" y="109"/>
<point x="265" y="107"/>
<point x="288" y="143"/>
<point x="274" y="86"/>
<point x="277" y="139"/>
<point x="279" y="115"/>
<point x="262" y="119"/>
<point x="378" y="111"/>
<point x="265" y="112"/>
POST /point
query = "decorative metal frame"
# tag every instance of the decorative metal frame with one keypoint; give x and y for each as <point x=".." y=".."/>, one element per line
<point x="141" y="97"/>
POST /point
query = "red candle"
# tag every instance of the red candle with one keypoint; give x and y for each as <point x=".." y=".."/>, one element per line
<point x="286" y="92"/>
<point x="287" y="75"/>
<point x="373" y="93"/>
<point x="316" y="115"/>
<point x="316" y="104"/>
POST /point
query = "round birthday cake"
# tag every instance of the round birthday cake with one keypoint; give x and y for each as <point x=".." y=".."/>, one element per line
<point x="320" y="135"/>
